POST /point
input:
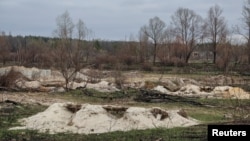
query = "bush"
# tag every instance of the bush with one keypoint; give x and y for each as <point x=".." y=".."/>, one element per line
<point x="119" y="79"/>
<point x="178" y="62"/>
<point x="94" y="76"/>
<point x="149" y="85"/>
<point x="9" y="79"/>
<point x="147" y="67"/>
<point x="183" y="113"/>
<point x="104" y="61"/>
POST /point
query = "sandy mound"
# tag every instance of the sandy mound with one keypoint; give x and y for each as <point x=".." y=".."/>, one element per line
<point x="66" y="117"/>
<point x="102" y="86"/>
<point x="207" y="91"/>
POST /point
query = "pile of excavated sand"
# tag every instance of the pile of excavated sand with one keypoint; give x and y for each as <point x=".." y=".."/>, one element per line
<point x="102" y="86"/>
<point x="67" y="117"/>
<point x="46" y="80"/>
<point x="209" y="92"/>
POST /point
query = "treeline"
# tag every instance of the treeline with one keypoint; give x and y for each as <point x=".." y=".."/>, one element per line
<point x="188" y="38"/>
<point x="39" y="52"/>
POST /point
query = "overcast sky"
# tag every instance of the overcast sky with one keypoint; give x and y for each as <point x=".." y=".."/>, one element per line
<point x="108" y="19"/>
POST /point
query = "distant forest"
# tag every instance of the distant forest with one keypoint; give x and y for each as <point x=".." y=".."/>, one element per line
<point x="34" y="51"/>
<point x="189" y="40"/>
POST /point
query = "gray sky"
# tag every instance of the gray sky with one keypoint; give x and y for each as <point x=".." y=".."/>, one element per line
<point x="108" y="19"/>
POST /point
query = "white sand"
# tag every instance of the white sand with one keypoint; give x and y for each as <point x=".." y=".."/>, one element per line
<point x="95" y="119"/>
<point x="218" y="92"/>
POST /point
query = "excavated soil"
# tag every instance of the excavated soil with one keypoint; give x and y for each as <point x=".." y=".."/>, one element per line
<point x="87" y="119"/>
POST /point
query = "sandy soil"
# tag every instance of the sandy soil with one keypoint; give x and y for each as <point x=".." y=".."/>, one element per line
<point x="30" y="98"/>
<point x="87" y="119"/>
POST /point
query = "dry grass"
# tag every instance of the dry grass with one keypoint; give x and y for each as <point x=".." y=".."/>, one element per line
<point x="182" y="113"/>
<point x="9" y="79"/>
<point x="73" y="107"/>
<point x="162" y="113"/>
<point x="117" y="111"/>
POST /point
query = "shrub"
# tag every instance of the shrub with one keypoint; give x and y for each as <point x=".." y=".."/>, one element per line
<point x="157" y="111"/>
<point x="149" y="85"/>
<point x="119" y="79"/>
<point x="9" y="79"/>
<point x="147" y="67"/>
<point x="94" y="76"/>
<point x="118" y="112"/>
<point x="73" y="107"/>
<point x="182" y="113"/>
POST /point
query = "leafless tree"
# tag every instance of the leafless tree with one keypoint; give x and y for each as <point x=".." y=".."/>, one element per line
<point x="155" y="31"/>
<point x="246" y="21"/>
<point x="143" y="50"/>
<point x="4" y="48"/>
<point x="81" y="30"/>
<point x="21" y="51"/>
<point x="68" y="54"/>
<point x="166" y="50"/>
<point x="216" y="28"/>
<point x="127" y="54"/>
<point x="84" y="33"/>
<point x="187" y="26"/>
<point x="64" y="52"/>
<point x="81" y="34"/>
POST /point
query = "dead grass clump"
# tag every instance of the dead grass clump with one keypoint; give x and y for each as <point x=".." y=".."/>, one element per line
<point x="119" y="79"/>
<point x="147" y="67"/>
<point x="115" y="111"/>
<point x="149" y="85"/>
<point x="94" y="76"/>
<point x="9" y="79"/>
<point x="162" y="113"/>
<point x="182" y="113"/>
<point x="206" y="89"/>
<point x="73" y="107"/>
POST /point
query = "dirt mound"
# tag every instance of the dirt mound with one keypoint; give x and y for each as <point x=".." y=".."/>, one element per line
<point x="21" y="78"/>
<point x="88" y="119"/>
<point x="207" y="91"/>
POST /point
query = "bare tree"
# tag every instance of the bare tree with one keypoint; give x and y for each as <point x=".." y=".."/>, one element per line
<point x="187" y="26"/>
<point x="82" y="33"/>
<point x="128" y="52"/>
<point x="246" y="21"/>
<point x="81" y="30"/>
<point x="142" y="46"/>
<point x="21" y="50"/>
<point x="68" y="55"/>
<point x="166" y="50"/>
<point x="4" y="48"/>
<point x="155" y="30"/>
<point x="216" y="28"/>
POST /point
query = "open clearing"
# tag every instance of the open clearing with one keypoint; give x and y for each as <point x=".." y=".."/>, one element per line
<point x="145" y="107"/>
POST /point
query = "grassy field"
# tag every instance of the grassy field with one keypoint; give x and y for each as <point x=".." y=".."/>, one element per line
<point x="210" y="111"/>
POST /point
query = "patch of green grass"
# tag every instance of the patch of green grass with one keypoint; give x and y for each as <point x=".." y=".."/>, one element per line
<point x="213" y="112"/>
<point x="225" y="102"/>
<point x="8" y="118"/>
<point x="207" y="116"/>
<point x="216" y="109"/>
<point x="194" y="133"/>
<point x="9" y="115"/>
<point x="94" y="96"/>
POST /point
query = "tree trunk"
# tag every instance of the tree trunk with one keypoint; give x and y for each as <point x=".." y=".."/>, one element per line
<point x="214" y="52"/>
<point x="214" y="59"/>
<point x="155" y="45"/>
<point x="67" y="84"/>
<point x="249" y="49"/>
<point x="187" y="57"/>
